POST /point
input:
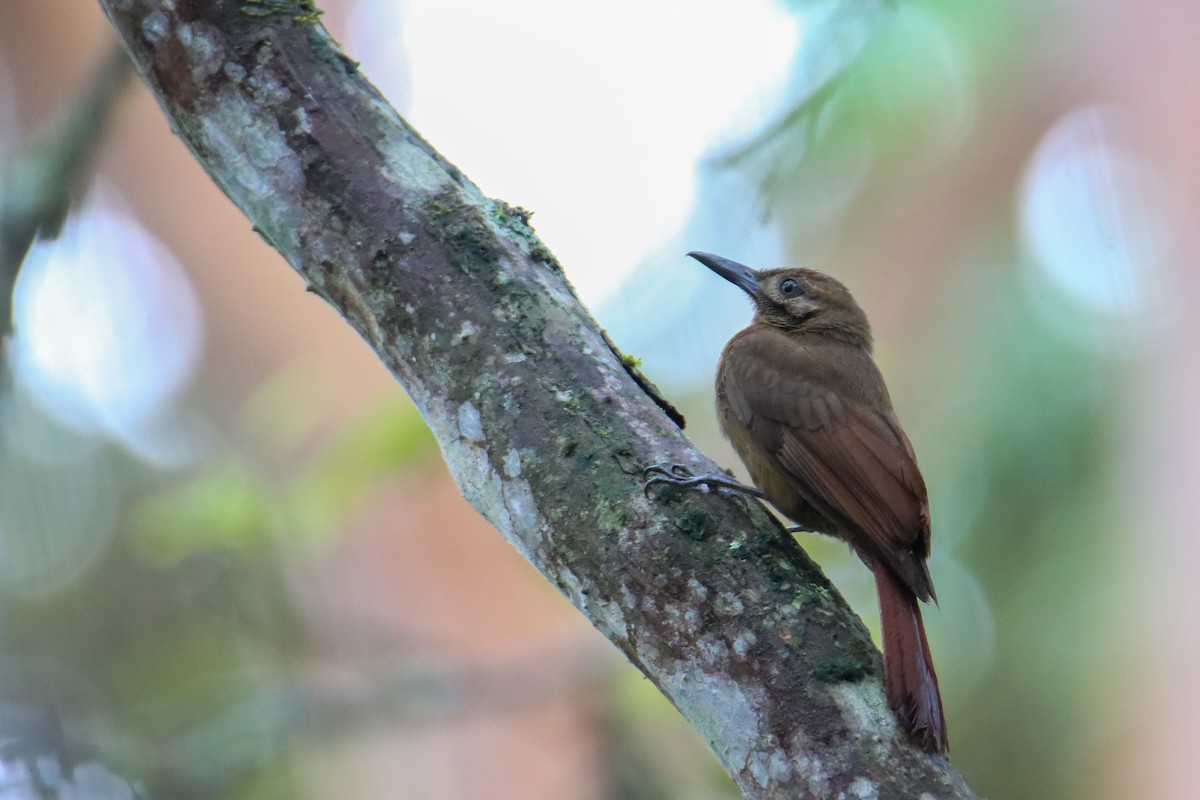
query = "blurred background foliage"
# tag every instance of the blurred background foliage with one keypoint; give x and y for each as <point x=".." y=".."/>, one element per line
<point x="231" y="564"/>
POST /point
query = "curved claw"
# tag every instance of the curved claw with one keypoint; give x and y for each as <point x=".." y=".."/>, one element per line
<point x="680" y="476"/>
<point x="673" y="474"/>
<point x="668" y="472"/>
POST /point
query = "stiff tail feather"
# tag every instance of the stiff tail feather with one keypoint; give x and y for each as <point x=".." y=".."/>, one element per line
<point x="908" y="676"/>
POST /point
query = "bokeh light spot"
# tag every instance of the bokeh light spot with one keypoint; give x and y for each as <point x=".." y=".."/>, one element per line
<point x="108" y="326"/>
<point x="1095" y="218"/>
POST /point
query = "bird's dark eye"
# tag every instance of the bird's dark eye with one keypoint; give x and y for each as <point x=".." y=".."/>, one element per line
<point x="789" y="286"/>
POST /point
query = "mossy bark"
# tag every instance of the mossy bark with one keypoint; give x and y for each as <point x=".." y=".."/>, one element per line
<point x="543" y="426"/>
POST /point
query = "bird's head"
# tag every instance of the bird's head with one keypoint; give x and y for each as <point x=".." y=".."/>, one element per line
<point x="794" y="299"/>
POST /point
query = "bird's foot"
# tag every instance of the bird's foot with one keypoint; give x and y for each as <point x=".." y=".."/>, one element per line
<point x="681" y="477"/>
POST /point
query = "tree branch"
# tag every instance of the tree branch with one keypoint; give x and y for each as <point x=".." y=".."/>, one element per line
<point x="540" y="423"/>
<point x="40" y="177"/>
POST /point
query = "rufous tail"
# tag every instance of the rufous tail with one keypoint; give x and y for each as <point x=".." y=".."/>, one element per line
<point x="908" y="676"/>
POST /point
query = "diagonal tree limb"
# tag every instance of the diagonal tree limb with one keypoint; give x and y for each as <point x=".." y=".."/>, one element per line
<point x="540" y="423"/>
<point x="40" y="179"/>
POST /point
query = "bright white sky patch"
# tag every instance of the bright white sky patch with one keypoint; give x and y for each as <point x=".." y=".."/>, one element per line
<point x="1096" y="217"/>
<point x="108" y="327"/>
<point x="592" y="116"/>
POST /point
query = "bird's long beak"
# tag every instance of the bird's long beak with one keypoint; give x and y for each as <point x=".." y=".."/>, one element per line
<point x="739" y="275"/>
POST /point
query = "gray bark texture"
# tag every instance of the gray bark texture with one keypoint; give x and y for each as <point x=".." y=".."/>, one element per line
<point x="542" y="424"/>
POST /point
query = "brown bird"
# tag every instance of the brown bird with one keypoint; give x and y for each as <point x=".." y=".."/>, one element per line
<point x="806" y="409"/>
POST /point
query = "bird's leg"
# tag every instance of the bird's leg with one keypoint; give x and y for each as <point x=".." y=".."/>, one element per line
<point x="680" y="476"/>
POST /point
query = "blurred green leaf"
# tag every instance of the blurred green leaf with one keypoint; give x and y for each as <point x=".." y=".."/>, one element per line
<point x="230" y="505"/>
<point x="225" y="506"/>
<point x="377" y="444"/>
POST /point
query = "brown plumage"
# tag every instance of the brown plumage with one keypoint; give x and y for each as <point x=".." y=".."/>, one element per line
<point x="806" y="409"/>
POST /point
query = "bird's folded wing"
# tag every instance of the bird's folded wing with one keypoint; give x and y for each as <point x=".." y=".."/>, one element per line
<point x="852" y="464"/>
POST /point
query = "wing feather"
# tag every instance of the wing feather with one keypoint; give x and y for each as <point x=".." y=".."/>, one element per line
<point x="833" y="433"/>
